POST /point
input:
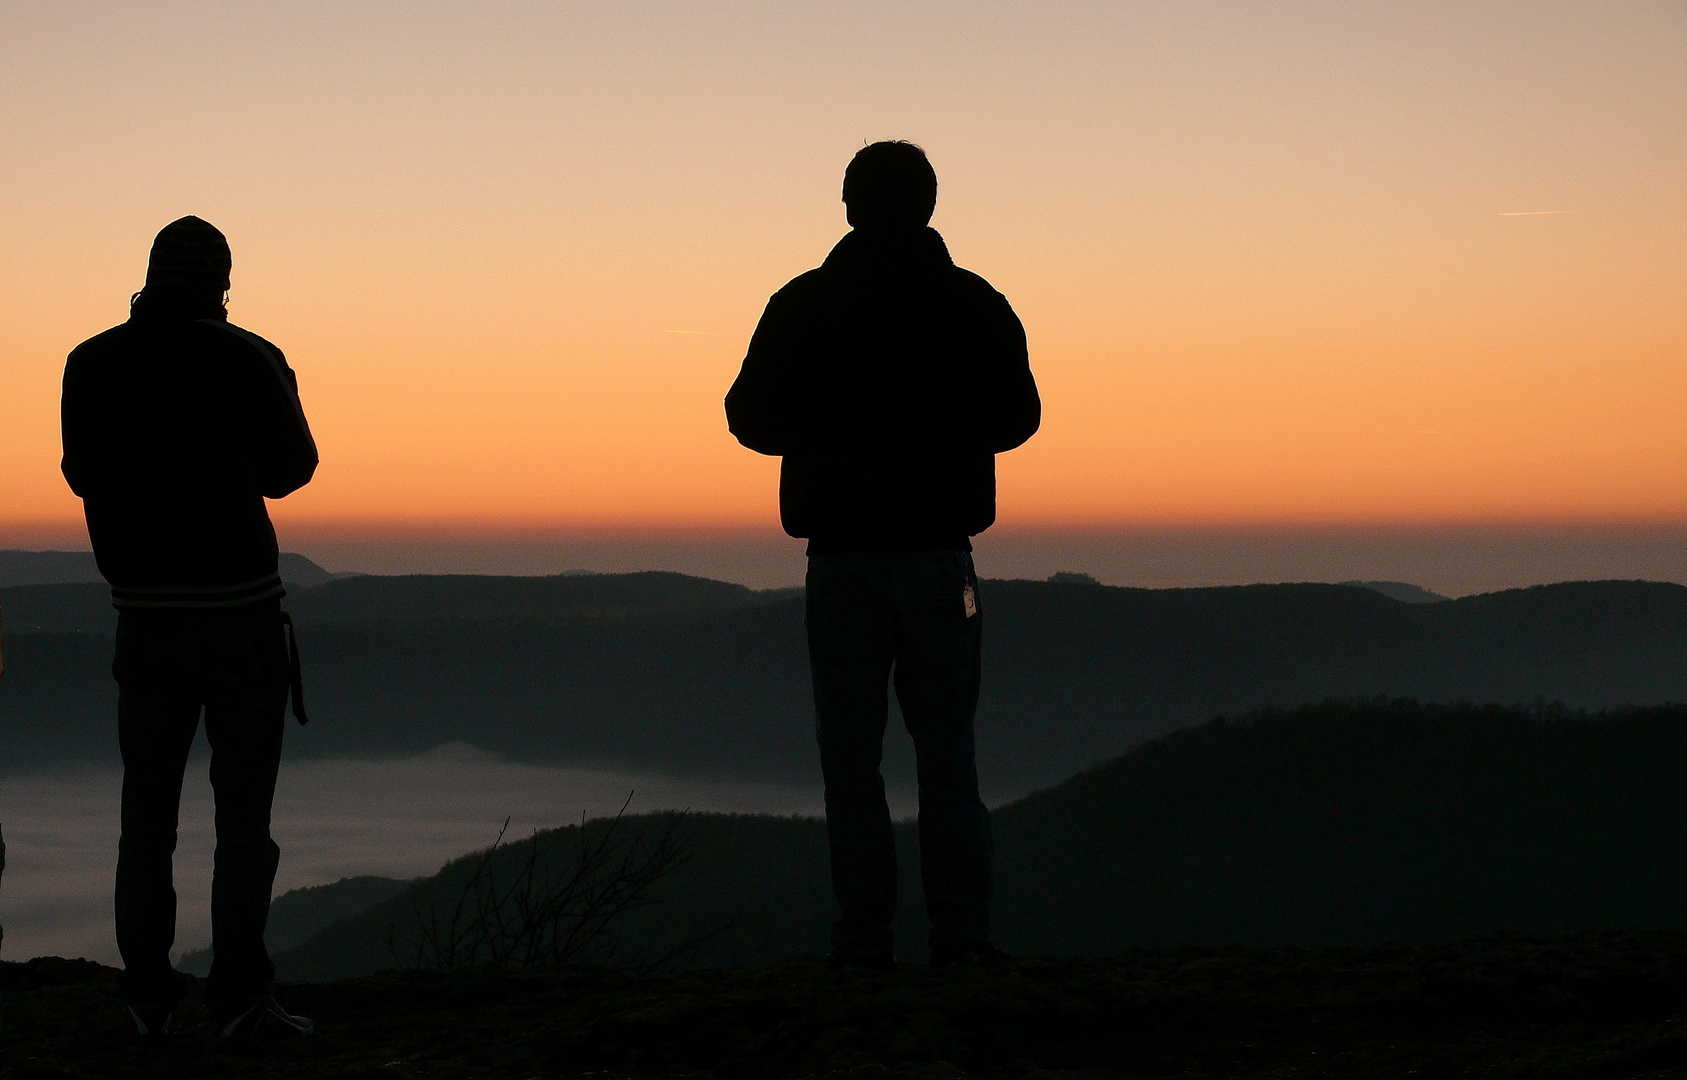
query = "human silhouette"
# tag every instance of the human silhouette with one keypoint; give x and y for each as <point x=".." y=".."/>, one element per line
<point x="888" y="379"/>
<point x="177" y="426"/>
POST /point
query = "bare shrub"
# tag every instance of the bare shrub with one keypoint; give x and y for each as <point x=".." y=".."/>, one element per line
<point x="552" y="899"/>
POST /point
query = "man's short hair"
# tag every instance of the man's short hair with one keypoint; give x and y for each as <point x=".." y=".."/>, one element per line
<point x="890" y="185"/>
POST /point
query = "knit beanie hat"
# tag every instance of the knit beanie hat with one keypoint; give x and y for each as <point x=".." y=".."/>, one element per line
<point x="190" y="249"/>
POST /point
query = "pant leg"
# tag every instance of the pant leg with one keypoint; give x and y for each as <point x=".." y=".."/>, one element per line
<point x="937" y="679"/>
<point x="850" y="641"/>
<point x="244" y="724"/>
<point x="155" y="729"/>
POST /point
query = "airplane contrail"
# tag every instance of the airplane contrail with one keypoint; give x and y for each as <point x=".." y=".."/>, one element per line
<point x="1532" y="213"/>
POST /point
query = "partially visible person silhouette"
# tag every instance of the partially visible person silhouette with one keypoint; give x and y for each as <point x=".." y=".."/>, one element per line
<point x="888" y="379"/>
<point x="177" y="425"/>
<point x="2" y="834"/>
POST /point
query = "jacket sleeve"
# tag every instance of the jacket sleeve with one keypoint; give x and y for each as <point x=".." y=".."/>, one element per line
<point x="1010" y="407"/>
<point x="761" y="405"/>
<point x="280" y="445"/>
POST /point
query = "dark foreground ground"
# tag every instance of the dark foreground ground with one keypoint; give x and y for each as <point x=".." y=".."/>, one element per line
<point x="1605" y="1005"/>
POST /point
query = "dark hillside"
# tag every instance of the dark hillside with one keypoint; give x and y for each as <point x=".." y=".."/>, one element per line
<point x="726" y="696"/>
<point x="58" y="702"/>
<point x="63" y="567"/>
<point x="1402" y="591"/>
<point x="1337" y="824"/>
<point x="698" y="678"/>
<point x="759" y="880"/>
<point x="1075" y="674"/>
<point x="59" y="608"/>
<point x="85" y="606"/>
<point x="433" y="597"/>
<point x="298" y="915"/>
<point x="1356" y="824"/>
<point x="47" y="567"/>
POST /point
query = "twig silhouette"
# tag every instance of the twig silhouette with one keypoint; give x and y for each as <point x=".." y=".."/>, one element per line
<point x="549" y="903"/>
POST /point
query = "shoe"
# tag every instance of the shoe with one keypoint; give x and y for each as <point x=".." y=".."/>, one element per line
<point x="968" y="954"/>
<point x="884" y="961"/>
<point x="265" y="1020"/>
<point x="152" y="1022"/>
<point x="152" y="1014"/>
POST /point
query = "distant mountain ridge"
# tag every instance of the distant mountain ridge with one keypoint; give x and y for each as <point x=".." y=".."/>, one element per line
<point x="1351" y="823"/>
<point x="1400" y="590"/>
<point x="85" y="608"/>
<point x="78" y="567"/>
<point x="690" y="677"/>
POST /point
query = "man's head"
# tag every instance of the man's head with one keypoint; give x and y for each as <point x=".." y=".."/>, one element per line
<point x="189" y="255"/>
<point x="890" y="185"/>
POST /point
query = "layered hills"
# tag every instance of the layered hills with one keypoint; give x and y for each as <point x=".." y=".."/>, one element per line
<point x="1338" y="824"/>
<point x="683" y="675"/>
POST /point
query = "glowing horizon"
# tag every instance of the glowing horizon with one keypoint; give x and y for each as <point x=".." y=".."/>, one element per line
<point x="1279" y="267"/>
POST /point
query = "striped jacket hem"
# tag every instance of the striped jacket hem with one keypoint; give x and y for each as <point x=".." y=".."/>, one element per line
<point x="268" y="587"/>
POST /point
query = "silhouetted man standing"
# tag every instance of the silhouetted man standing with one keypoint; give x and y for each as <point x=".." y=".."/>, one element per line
<point x="177" y="425"/>
<point x="889" y="379"/>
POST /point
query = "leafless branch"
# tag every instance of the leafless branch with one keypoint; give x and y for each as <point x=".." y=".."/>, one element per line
<point x="543" y="902"/>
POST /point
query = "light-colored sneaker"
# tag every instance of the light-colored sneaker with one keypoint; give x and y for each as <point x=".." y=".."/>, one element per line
<point x="266" y="1020"/>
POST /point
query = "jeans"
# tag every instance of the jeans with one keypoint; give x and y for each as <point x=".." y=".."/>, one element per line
<point x="169" y="666"/>
<point x="874" y="618"/>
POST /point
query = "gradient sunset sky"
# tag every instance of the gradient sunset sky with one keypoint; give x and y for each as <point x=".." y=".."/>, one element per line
<point x="1281" y="265"/>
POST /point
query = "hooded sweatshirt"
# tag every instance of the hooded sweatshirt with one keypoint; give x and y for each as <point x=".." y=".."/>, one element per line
<point x="888" y="379"/>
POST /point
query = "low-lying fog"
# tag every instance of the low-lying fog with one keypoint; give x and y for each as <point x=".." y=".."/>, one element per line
<point x="333" y="819"/>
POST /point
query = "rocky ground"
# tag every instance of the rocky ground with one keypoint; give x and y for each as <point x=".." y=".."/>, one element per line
<point x="1597" y="1005"/>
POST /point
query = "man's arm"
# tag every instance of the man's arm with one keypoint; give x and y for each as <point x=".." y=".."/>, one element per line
<point x="760" y="407"/>
<point x="1010" y="406"/>
<point x="279" y="441"/>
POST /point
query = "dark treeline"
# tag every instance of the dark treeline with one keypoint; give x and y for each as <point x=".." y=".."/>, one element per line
<point x="702" y="678"/>
<point x="1343" y="823"/>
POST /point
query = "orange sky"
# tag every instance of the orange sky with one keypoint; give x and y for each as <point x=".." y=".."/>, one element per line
<point x="514" y="252"/>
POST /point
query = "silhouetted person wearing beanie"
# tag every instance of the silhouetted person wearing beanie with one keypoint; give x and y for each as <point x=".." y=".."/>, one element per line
<point x="177" y="426"/>
<point x="888" y="379"/>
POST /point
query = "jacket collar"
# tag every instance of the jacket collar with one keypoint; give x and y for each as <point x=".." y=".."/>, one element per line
<point x="912" y="250"/>
<point x="154" y="304"/>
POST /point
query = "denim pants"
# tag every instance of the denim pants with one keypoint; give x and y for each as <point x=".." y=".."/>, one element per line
<point x="169" y="666"/>
<point x="875" y="618"/>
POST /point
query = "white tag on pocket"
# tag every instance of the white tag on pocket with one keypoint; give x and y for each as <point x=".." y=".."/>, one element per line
<point x="969" y="601"/>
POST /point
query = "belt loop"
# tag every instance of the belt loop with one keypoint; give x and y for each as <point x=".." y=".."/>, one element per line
<point x="296" y="678"/>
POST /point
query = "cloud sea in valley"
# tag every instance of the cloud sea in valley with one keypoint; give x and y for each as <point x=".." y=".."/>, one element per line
<point x="396" y="818"/>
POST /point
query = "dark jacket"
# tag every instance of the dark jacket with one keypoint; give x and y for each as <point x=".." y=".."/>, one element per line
<point x="888" y="379"/>
<point x="176" y="428"/>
